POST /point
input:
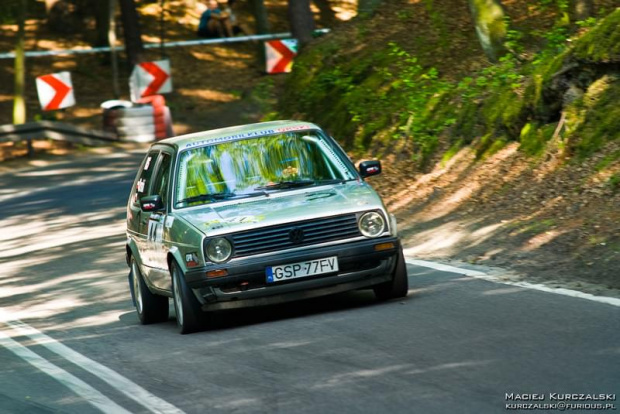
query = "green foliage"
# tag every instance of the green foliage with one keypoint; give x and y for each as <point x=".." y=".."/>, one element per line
<point x="560" y="5"/>
<point x="502" y="109"/>
<point x="587" y="23"/>
<point x="597" y="117"/>
<point x="452" y="151"/>
<point x="483" y="144"/>
<point x="534" y="138"/>
<point x="494" y="147"/>
<point x="264" y="96"/>
<point x="601" y="43"/>
<point x="423" y="96"/>
<point x="514" y="39"/>
<point x="556" y="38"/>
<point x="614" y="182"/>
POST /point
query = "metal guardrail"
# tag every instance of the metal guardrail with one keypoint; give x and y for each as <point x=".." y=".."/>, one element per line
<point x="39" y="53"/>
<point x="56" y="131"/>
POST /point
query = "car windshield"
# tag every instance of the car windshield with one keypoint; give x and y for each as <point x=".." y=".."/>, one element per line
<point x="257" y="166"/>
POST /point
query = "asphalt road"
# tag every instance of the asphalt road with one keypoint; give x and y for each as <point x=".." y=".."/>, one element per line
<point x="70" y="341"/>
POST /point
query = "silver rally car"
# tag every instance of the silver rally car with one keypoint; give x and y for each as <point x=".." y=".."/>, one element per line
<point x="255" y="215"/>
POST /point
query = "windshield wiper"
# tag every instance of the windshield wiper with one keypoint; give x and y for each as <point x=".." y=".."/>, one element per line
<point x="206" y="197"/>
<point x="254" y="194"/>
<point x="286" y="184"/>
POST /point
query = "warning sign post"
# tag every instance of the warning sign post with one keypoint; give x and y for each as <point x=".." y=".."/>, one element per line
<point x="55" y="91"/>
<point x="280" y="55"/>
<point x="150" y="78"/>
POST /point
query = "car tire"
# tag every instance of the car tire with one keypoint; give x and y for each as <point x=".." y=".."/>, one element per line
<point x="189" y="315"/>
<point x="399" y="285"/>
<point x="151" y="308"/>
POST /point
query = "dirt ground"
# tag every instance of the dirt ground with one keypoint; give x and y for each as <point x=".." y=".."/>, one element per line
<point x="547" y="220"/>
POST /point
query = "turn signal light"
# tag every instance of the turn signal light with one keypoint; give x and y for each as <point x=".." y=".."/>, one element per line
<point x="384" y="246"/>
<point x="217" y="273"/>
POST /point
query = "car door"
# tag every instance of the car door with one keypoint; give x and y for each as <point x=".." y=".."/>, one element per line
<point x="137" y="220"/>
<point x="155" y="226"/>
<point x="156" y="247"/>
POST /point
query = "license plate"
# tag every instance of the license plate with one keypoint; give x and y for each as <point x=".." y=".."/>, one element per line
<point x="301" y="269"/>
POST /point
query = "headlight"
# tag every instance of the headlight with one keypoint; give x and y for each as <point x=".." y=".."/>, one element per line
<point x="219" y="250"/>
<point x="371" y="224"/>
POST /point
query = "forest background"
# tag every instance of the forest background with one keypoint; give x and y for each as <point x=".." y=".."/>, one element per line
<point x="497" y="121"/>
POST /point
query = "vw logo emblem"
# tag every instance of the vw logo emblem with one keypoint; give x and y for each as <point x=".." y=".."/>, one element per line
<point x="296" y="235"/>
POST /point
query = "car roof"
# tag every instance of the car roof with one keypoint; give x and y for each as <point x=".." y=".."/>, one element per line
<point x="236" y="132"/>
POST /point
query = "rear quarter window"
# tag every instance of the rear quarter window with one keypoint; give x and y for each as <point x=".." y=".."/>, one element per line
<point x="143" y="180"/>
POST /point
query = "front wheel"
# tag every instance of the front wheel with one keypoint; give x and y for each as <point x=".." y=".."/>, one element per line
<point x="399" y="285"/>
<point x="151" y="308"/>
<point x="186" y="306"/>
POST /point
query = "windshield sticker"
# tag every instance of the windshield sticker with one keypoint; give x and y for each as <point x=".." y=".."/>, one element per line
<point x="141" y="185"/>
<point x="246" y="219"/>
<point x="320" y="195"/>
<point x="246" y="135"/>
<point x="215" y="224"/>
<point x="147" y="164"/>
<point x="220" y="224"/>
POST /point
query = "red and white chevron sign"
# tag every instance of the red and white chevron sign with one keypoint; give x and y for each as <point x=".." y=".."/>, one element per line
<point x="280" y="54"/>
<point x="150" y="78"/>
<point x="55" y="91"/>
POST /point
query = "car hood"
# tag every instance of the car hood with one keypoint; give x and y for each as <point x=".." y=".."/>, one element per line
<point x="282" y="207"/>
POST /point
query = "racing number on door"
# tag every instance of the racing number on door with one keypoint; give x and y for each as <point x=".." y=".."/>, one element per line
<point x="155" y="229"/>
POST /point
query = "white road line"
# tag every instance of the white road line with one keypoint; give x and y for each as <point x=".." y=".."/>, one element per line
<point x="526" y="285"/>
<point x="445" y="268"/>
<point x="81" y="388"/>
<point x="114" y="379"/>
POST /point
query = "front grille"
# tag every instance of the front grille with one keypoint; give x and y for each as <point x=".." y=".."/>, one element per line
<point x="268" y="239"/>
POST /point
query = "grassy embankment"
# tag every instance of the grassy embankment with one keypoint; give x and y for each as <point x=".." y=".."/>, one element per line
<point x="378" y="96"/>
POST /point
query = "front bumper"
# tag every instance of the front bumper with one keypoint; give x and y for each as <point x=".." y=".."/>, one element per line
<point x="360" y="266"/>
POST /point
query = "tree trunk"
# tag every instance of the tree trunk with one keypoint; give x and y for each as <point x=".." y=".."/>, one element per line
<point x="260" y="15"/>
<point x="367" y="7"/>
<point x="327" y="15"/>
<point x="102" y="22"/>
<point x="301" y="21"/>
<point x="62" y="16"/>
<point x="112" y="42"/>
<point x="582" y="9"/>
<point x="489" y="20"/>
<point x="132" y="32"/>
<point x="19" y="103"/>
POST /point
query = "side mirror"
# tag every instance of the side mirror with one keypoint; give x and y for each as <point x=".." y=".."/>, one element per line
<point x="368" y="168"/>
<point x="151" y="203"/>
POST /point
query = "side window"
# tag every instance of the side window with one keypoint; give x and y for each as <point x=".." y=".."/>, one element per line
<point x="144" y="178"/>
<point x="162" y="178"/>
